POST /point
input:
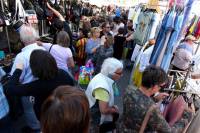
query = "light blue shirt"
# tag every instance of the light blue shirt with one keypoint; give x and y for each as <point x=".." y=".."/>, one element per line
<point x="4" y="108"/>
<point x="91" y="43"/>
<point x="24" y="57"/>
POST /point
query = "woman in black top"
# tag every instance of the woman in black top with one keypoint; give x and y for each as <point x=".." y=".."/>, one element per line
<point x="118" y="46"/>
<point x="44" y="67"/>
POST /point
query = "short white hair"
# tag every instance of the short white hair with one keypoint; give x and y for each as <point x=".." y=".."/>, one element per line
<point x="110" y="65"/>
<point x="28" y="34"/>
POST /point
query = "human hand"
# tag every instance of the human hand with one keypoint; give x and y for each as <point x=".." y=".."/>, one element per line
<point x="39" y="43"/>
<point x="161" y="96"/>
<point x="94" y="50"/>
<point x="116" y="109"/>
<point x="190" y="108"/>
<point x="19" y="65"/>
<point x="48" y="5"/>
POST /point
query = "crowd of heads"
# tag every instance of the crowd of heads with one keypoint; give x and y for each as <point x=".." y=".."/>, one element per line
<point x="67" y="108"/>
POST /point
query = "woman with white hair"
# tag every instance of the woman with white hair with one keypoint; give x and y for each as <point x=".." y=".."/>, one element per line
<point x="100" y="93"/>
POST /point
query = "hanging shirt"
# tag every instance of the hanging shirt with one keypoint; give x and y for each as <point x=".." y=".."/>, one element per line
<point x="192" y="28"/>
<point x="143" y="22"/>
<point x="197" y="32"/>
<point x="156" y="20"/>
<point x="135" y="19"/>
<point x="145" y="57"/>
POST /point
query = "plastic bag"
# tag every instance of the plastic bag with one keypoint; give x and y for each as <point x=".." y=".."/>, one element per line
<point x="85" y="73"/>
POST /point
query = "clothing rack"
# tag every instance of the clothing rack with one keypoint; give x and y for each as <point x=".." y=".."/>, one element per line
<point x="198" y="45"/>
<point x="8" y="39"/>
<point x="182" y="91"/>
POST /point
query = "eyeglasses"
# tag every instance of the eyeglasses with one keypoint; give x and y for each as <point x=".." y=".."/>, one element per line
<point x="120" y="73"/>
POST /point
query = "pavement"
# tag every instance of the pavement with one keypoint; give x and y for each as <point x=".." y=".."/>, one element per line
<point x="122" y="85"/>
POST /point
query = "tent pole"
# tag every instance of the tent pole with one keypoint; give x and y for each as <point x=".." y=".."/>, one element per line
<point x="6" y="28"/>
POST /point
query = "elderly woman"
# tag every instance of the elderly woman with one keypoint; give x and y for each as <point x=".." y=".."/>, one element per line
<point x="100" y="93"/>
<point x="60" y="51"/>
<point x="93" y="43"/>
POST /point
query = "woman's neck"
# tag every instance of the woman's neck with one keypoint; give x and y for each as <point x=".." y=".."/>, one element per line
<point x="94" y="38"/>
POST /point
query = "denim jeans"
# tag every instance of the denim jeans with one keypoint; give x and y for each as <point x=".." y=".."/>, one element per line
<point x="29" y="113"/>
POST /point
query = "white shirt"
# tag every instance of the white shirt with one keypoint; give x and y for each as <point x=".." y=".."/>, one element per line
<point x="101" y="81"/>
<point x="145" y="57"/>
<point x="24" y="57"/>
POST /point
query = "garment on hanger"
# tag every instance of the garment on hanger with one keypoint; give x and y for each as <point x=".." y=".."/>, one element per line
<point x="19" y="10"/>
<point x="161" y="42"/>
<point x="159" y="38"/>
<point x="187" y="10"/>
<point x="193" y="26"/>
<point x="144" y="20"/>
<point x="145" y="57"/>
<point x="173" y="39"/>
<point x="155" y="23"/>
<point x="178" y="3"/>
<point x="136" y="77"/>
<point x="197" y="32"/>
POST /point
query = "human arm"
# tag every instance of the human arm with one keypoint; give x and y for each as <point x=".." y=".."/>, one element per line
<point x="158" y="123"/>
<point x="103" y="97"/>
<point x="70" y="60"/>
<point x="105" y="109"/>
<point x="14" y="87"/>
<point x="55" y="12"/>
<point x="45" y="45"/>
<point x="129" y="38"/>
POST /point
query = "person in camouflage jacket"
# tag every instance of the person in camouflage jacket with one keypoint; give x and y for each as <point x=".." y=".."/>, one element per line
<point x="138" y="101"/>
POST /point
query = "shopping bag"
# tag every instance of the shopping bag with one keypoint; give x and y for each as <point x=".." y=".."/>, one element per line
<point x="85" y="73"/>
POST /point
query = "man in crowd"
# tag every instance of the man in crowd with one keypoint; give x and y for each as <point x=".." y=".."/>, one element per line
<point x="183" y="55"/>
<point x="105" y="29"/>
<point x="138" y="101"/>
<point x="28" y="36"/>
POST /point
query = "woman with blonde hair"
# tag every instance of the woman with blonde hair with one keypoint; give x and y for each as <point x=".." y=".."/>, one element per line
<point x="93" y="43"/>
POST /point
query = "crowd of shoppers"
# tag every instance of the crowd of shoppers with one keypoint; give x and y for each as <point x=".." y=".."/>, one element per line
<point x="42" y="80"/>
